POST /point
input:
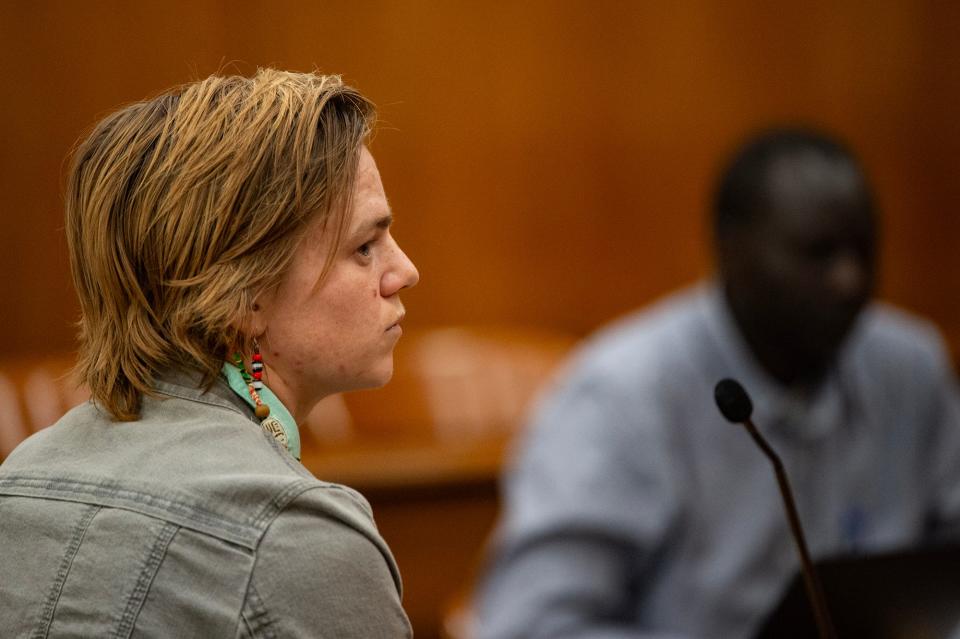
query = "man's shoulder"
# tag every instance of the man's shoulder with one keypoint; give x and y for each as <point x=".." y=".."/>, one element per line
<point x="898" y="354"/>
<point x="643" y="361"/>
<point x="670" y="317"/>
<point x="891" y="333"/>
<point x="666" y="329"/>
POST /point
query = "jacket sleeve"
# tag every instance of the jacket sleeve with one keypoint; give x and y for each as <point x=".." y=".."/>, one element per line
<point x="322" y="570"/>
<point x="589" y="503"/>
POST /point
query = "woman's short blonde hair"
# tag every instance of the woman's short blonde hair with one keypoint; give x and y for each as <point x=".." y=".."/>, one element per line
<point x="180" y="210"/>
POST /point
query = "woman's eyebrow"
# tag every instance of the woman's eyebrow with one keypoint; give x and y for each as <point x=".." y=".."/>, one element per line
<point x="383" y="222"/>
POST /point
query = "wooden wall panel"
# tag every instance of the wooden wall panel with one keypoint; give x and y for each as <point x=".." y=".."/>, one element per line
<point x="550" y="162"/>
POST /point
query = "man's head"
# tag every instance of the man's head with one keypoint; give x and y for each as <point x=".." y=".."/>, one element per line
<point x="183" y="209"/>
<point x="796" y="242"/>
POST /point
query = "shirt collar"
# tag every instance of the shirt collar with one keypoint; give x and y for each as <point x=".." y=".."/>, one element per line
<point x="776" y="407"/>
<point x="239" y="386"/>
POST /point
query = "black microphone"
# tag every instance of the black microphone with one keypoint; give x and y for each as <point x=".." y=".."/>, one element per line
<point x="736" y="407"/>
<point x="733" y="401"/>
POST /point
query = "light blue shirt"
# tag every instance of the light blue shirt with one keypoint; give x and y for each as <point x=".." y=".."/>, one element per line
<point x="633" y="509"/>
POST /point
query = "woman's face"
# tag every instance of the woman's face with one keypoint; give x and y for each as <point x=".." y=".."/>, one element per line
<point x="319" y="340"/>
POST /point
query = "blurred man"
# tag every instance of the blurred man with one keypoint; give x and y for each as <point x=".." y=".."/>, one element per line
<point x="635" y="510"/>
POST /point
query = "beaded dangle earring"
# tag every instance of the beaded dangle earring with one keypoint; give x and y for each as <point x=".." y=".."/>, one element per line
<point x="255" y="385"/>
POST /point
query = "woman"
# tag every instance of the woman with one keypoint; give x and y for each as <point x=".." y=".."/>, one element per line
<point x="230" y="244"/>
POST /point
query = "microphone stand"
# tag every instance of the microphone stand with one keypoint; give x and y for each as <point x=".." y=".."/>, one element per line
<point x="810" y="580"/>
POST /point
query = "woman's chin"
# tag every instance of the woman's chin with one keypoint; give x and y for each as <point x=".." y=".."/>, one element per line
<point x="383" y="377"/>
<point x="375" y="378"/>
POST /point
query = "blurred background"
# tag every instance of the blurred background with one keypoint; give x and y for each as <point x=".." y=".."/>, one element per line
<point x="549" y="164"/>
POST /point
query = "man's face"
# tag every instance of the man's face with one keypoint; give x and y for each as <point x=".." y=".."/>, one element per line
<point x="803" y="269"/>
<point x="339" y="335"/>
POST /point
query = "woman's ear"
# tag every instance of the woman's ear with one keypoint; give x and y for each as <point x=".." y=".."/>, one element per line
<point x="252" y="321"/>
<point x="257" y="315"/>
<point x="256" y="322"/>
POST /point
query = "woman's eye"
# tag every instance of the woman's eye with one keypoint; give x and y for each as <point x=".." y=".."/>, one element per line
<point x="364" y="249"/>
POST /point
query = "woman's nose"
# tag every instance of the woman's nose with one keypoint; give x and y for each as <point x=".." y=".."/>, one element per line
<point x="401" y="274"/>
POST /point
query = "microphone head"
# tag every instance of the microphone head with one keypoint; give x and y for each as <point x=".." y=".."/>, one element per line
<point x="733" y="401"/>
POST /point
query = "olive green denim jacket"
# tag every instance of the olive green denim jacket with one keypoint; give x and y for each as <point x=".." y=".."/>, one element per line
<point x="189" y="522"/>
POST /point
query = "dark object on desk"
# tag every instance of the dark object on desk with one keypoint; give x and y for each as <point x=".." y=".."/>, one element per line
<point x="905" y="595"/>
